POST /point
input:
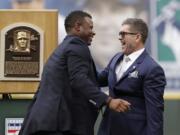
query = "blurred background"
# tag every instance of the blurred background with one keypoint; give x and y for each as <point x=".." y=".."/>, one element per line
<point x="163" y="19"/>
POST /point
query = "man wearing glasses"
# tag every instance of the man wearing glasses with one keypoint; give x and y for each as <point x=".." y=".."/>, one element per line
<point x="134" y="76"/>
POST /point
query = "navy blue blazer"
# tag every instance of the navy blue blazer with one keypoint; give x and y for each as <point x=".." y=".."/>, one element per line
<point x="68" y="97"/>
<point x="143" y="86"/>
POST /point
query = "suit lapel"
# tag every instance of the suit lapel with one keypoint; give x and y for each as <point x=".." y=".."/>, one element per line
<point x="134" y="66"/>
<point x="116" y="60"/>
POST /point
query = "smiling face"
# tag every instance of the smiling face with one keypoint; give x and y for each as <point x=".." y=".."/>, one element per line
<point x="86" y="32"/>
<point x="130" y="40"/>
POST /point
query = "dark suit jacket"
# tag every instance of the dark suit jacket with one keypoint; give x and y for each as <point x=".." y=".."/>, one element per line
<point x="68" y="97"/>
<point x="143" y="86"/>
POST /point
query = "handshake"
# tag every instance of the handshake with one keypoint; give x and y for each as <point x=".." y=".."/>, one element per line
<point x="118" y="105"/>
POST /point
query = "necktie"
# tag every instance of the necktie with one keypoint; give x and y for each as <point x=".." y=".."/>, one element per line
<point x="126" y="59"/>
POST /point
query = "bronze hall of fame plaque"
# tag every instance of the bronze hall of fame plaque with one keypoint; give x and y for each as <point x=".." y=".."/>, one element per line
<point x="22" y="52"/>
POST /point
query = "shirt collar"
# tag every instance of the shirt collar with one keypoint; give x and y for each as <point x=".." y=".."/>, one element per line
<point x="133" y="56"/>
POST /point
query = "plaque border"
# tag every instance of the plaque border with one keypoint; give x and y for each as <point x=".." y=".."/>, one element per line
<point x="2" y="48"/>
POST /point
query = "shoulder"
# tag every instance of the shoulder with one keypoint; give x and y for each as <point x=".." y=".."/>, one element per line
<point x="151" y="61"/>
<point x="152" y="64"/>
<point x="76" y="46"/>
<point x="116" y="57"/>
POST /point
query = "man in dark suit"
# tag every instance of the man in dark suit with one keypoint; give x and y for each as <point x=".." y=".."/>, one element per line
<point x="134" y="76"/>
<point x="68" y="97"/>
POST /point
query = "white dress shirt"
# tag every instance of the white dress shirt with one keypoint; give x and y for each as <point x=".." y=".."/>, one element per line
<point x="127" y="62"/>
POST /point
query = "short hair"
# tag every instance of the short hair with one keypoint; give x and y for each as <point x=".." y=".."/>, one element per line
<point x="23" y="1"/>
<point x="73" y="17"/>
<point x="22" y="30"/>
<point x="137" y="25"/>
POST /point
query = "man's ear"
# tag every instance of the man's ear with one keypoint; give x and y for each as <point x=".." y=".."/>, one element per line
<point x="138" y="37"/>
<point x="77" y="26"/>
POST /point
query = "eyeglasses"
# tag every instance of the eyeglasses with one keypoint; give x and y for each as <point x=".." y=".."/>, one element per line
<point x="123" y="33"/>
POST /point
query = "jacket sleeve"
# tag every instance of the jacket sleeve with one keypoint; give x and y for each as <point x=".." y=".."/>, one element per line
<point x="103" y="77"/>
<point x="153" y="90"/>
<point x="78" y="61"/>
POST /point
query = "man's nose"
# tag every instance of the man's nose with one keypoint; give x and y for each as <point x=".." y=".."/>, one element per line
<point x="120" y="37"/>
<point x="93" y="33"/>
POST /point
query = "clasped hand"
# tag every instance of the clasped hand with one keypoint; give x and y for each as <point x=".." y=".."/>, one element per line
<point x="119" y="105"/>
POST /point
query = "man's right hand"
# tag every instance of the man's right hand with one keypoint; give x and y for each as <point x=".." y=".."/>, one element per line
<point x="119" y="105"/>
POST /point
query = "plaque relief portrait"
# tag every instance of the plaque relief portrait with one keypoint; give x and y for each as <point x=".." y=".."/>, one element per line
<point x="22" y="41"/>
